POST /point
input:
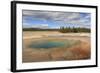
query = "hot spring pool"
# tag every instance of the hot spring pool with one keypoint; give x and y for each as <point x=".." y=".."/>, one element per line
<point x="46" y="44"/>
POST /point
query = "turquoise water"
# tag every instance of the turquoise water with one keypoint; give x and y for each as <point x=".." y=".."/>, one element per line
<point x="52" y="44"/>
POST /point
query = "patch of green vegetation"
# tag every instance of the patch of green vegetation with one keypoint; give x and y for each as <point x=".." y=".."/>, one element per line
<point x="74" y="30"/>
<point x="62" y="29"/>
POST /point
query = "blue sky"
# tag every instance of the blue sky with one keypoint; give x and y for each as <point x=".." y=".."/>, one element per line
<point x="55" y="19"/>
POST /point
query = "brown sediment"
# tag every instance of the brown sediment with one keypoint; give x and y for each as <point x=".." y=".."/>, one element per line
<point x="80" y="51"/>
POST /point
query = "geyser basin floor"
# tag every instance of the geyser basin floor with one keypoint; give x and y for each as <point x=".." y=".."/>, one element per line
<point x="78" y="51"/>
<point x="55" y="50"/>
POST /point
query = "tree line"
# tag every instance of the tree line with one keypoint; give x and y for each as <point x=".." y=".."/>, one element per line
<point x="74" y="29"/>
<point x="61" y="29"/>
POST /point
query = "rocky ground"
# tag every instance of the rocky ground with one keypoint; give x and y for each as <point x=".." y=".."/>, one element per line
<point x="80" y="51"/>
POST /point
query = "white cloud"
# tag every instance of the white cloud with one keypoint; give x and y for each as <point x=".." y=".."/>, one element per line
<point x="40" y="26"/>
<point x="60" y="17"/>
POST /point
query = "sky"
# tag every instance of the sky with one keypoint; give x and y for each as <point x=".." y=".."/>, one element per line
<point x="55" y="19"/>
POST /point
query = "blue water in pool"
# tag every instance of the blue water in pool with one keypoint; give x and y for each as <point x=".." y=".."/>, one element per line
<point x="51" y="44"/>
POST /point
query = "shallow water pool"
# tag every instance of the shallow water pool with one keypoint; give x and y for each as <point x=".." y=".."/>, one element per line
<point x="52" y="43"/>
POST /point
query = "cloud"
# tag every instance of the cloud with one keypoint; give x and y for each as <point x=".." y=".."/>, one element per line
<point x="43" y="26"/>
<point x="76" y="18"/>
<point x="27" y="25"/>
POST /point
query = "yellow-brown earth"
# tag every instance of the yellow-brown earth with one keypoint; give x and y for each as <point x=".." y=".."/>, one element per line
<point x="80" y="51"/>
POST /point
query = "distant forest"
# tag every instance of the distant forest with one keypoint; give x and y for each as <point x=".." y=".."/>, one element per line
<point x="75" y="30"/>
<point x="62" y="29"/>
